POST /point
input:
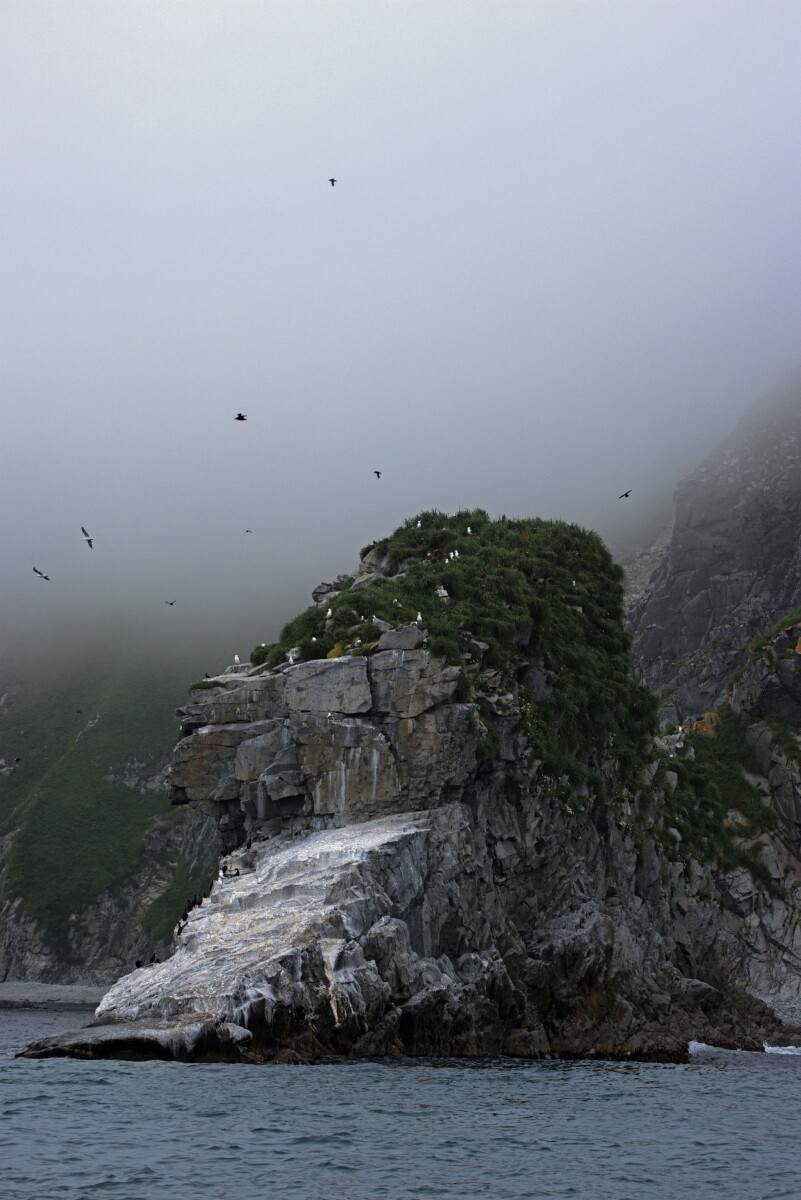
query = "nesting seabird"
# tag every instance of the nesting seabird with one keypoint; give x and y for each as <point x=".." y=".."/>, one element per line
<point x="469" y="531"/>
<point x="418" y="618"/>
<point x="418" y="524"/>
<point x="328" y="615"/>
<point x="41" y="574"/>
<point x="87" y="538"/>
<point x="236" y="660"/>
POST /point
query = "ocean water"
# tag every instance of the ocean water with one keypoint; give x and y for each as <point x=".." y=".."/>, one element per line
<point x="724" y="1125"/>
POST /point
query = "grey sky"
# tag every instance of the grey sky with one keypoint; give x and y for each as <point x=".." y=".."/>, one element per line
<point x="561" y="257"/>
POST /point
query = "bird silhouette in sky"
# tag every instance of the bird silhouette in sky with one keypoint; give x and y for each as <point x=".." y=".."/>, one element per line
<point x="248" y="531"/>
<point x="41" y="574"/>
<point x="332" y="182"/>
<point x="377" y="474"/>
<point x="86" y="538"/>
<point x="170" y="602"/>
<point x="240" y="417"/>
<point x="624" y="495"/>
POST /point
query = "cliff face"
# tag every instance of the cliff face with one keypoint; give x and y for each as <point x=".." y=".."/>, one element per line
<point x="404" y="875"/>
<point x="733" y="563"/>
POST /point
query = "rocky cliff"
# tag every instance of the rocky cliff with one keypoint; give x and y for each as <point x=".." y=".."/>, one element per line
<point x="452" y="834"/>
<point x="733" y="563"/>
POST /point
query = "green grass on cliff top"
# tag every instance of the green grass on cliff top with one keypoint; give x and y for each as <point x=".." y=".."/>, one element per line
<point x="545" y="596"/>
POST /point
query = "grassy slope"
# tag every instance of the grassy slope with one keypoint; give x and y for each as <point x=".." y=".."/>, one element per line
<point x="78" y="834"/>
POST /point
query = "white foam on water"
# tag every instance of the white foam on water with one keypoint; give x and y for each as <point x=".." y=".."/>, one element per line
<point x="782" y="1049"/>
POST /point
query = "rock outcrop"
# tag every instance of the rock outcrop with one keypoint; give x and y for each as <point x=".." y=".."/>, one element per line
<point x="733" y="563"/>
<point x="388" y="891"/>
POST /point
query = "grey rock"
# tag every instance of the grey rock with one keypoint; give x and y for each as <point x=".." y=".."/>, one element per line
<point x="328" y="685"/>
<point x="409" y="637"/>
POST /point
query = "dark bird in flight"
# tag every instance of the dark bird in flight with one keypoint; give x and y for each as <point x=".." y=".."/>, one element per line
<point x="86" y="538"/>
<point x="248" y="531"/>
<point x="377" y="474"/>
<point x="624" y="495"/>
<point x="332" y="182"/>
<point x="240" y="417"/>
<point x="170" y="602"/>
<point x="41" y="574"/>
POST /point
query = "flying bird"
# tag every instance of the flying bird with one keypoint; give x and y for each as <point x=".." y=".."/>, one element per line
<point x="41" y="574"/>
<point x="377" y="474"/>
<point x="332" y="182"/>
<point x="624" y="495"/>
<point x="86" y="537"/>
<point x="248" y="531"/>
<point x="240" y="417"/>
<point x="170" y="602"/>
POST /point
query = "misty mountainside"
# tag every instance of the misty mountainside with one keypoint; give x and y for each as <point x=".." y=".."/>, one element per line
<point x="732" y="564"/>
<point x="95" y="867"/>
<point x="450" y="828"/>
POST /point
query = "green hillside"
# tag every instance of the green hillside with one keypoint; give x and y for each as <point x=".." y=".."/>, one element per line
<point x="78" y="833"/>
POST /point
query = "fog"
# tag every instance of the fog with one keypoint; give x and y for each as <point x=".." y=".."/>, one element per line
<point x="560" y="259"/>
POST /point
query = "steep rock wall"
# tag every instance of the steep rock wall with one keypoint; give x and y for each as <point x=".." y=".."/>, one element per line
<point x="733" y="563"/>
<point x="387" y="891"/>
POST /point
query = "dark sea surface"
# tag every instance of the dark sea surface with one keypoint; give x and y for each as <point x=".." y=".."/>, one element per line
<point x="725" y="1125"/>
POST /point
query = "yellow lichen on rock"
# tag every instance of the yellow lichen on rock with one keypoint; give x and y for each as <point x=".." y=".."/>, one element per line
<point x="706" y="724"/>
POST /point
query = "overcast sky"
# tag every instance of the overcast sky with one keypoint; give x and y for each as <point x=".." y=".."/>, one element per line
<point x="561" y="257"/>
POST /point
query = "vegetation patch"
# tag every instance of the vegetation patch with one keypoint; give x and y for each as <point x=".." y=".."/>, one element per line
<point x="708" y="786"/>
<point x="546" y="599"/>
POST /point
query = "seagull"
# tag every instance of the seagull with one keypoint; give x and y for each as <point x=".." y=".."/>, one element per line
<point x="624" y="495"/>
<point x="236" y="660"/>
<point x="469" y="531"/>
<point x="86" y="538"/>
<point x="41" y="574"/>
<point x="332" y="182"/>
<point x="240" y="417"/>
<point x="396" y="603"/>
<point x="418" y="524"/>
<point x="377" y="474"/>
<point x="328" y="615"/>
<point x="418" y="618"/>
<point x="170" y="602"/>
